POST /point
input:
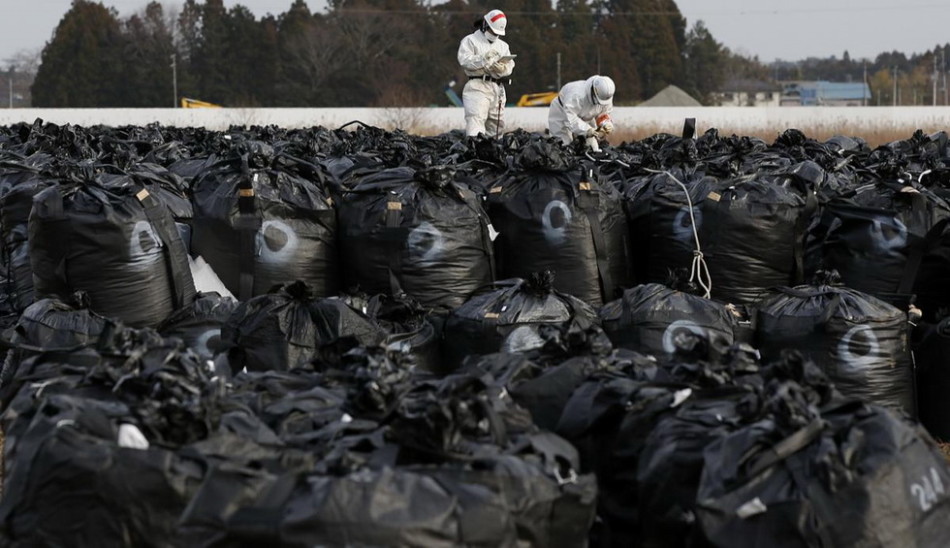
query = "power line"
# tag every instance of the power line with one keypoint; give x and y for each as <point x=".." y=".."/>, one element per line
<point x="648" y="13"/>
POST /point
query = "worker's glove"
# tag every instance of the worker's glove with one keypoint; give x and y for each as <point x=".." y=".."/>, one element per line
<point x="592" y="144"/>
<point x="591" y="133"/>
<point x="607" y="127"/>
<point x="491" y="56"/>
<point x="498" y="69"/>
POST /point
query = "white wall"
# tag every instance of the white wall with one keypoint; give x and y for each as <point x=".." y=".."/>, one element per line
<point x="728" y="120"/>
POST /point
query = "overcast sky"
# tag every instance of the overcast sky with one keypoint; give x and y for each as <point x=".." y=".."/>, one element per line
<point x="771" y="29"/>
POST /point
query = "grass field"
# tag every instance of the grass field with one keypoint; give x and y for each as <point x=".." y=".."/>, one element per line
<point x="874" y="138"/>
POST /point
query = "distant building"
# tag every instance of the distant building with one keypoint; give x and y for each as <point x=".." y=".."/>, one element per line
<point x="748" y="93"/>
<point x="825" y="94"/>
<point x="671" y="96"/>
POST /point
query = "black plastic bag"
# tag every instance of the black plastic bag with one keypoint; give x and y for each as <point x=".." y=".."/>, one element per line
<point x="19" y="183"/>
<point x="289" y="328"/>
<point x="859" y="341"/>
<point x="554" y="216"/>
<point x="857" y="476"/>
<point x="71" y="483"/>
<point x="661" y="222"/>
<point x="260" y="225"/>
<point x="116" y="243"/>
<point x="416" y="232"/>
<point x="482" y="324"/>
<point x="932" y="358"/>
<point x="650" y="318"/>
<point x="882" y="237"/>
<point x="199" y="324"/>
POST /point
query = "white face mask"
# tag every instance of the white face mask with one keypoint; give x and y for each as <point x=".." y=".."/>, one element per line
<point x="491" y="36"/>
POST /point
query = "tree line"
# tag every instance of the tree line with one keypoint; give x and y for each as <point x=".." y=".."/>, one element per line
<point x="403" y="53"/>
<point x="361" y="52"/>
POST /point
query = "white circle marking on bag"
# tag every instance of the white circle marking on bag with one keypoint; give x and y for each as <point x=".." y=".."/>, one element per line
<point x="145" y="245"/>
<point x="426" y="243"/>
<point x="682" y="225"/>
<point x="852" y="362"/>
<point x="276" y="242"/>
<point x="555" y="235"/>
<point x="668" y="345"/>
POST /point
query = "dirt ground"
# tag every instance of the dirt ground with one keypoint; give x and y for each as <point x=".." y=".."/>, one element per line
<point x="945" y="448"/>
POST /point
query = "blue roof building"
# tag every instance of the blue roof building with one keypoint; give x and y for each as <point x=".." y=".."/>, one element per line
<point x="822" y="93"/>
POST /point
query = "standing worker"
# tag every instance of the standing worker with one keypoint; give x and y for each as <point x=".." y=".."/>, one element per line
<point x="488" y="62"/>
<point x="582" y="109"/>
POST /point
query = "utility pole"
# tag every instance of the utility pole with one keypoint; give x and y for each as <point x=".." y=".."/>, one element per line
<point x="558" y="72"/>
<point x="174" y="80"/>
<point x="867" y="89"/>
<point x="895" y="87"/>
<point x="943" y="53"/>
<point x="11" y="86"/>
<point x="935" y="79"/>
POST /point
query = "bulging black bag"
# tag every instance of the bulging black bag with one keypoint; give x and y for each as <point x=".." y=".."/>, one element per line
<point x="858" y="476"/>
<point x="661" y="222"/>
<point x="72" y="483"/>
<point x="859" y="341"/>
<point x="199" y="324"/>
<point x="417" y="232"/>
<point x="552" y="215"/>
<point x="753" y="235"/>
<point x="288" y="328"/>
<point x="481" y="325"/>
<point x="649" y="318"/>
<point x="19" y="183"/>
<point x="881" y="238"/>
<point x="260" y="225"/>
<point x="117" y="243"/>
<point x="932" y="357"/>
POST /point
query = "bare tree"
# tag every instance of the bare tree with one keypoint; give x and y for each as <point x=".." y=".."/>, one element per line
<point x="316" y="56"/>
<point x="397" y="115"/>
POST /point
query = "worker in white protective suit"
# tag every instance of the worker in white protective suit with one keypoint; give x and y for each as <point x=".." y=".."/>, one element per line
<point x="582" y="109"/>
<point x="488" y="63"/>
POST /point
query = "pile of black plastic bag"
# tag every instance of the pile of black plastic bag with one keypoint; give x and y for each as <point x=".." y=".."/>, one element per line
<point x="308" y="337"/>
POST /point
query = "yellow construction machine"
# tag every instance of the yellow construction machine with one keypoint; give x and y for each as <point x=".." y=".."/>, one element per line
<point x="542" y="99"/>
<point x="194" y="103"/>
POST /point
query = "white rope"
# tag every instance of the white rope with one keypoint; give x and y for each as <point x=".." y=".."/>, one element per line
<point x="699" y="270"/>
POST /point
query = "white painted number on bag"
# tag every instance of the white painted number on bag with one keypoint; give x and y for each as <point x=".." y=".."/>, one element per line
<point x="929" y="490"/>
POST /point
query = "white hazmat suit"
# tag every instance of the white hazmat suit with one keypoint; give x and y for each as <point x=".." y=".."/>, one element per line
<point x="483" y="57"/>
<point x="576" y="110"/>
